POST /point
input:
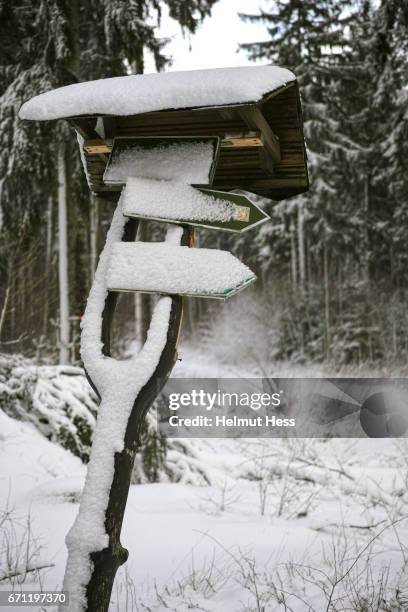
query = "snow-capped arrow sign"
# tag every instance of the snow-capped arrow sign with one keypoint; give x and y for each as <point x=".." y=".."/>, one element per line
<point x="160" y="267"/>
<point x="175" y="202"/>
<point x="246" y="213"/>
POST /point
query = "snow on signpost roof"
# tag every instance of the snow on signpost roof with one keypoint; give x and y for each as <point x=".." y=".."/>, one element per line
<point x="134" y="94"/>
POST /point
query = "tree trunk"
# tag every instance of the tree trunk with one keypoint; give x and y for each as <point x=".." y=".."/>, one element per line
<point x="47" y="263"/>
<point x="366" y="204"/>
<point x="107" y="562"/>
<point x="293" y="257"/>
<point x="301" y="246"/>
<point x="5" y="306"/>
<point x="326" y="299"/>
<point x="63" y="257"/>
<point x="49" y="232"/>
<point x="93" y="231"/>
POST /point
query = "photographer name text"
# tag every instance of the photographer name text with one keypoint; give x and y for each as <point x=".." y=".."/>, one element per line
<point x="233" y="421"/>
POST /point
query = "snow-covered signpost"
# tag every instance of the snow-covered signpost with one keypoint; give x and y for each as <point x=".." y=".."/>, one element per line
<point x="168" y="147"/>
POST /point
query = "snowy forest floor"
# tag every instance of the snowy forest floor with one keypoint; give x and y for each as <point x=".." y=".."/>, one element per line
<point x="285" y="525"/>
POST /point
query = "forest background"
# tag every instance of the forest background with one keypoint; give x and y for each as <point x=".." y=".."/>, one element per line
<point x="332" y="263"/>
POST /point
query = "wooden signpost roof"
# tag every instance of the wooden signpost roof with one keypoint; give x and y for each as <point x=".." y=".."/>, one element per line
<point x="255" y="111"/>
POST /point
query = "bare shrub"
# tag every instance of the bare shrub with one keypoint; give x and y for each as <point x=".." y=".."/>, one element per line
<point x="20" y="550"/>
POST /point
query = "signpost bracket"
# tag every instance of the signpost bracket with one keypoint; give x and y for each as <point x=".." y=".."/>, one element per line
<point x="254" y="118"/>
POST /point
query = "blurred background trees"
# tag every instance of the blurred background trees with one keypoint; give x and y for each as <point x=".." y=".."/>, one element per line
<point x="345" y="300"/>
<point x="332" y="263"/>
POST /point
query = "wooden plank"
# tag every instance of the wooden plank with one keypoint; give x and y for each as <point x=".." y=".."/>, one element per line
<point x="85" y="127"/>
<point x="97" y="146"/>
<point x="255" y="120"/>
<point x="110" y="127"/>
<point x="226" y="113"/>
<point x="241" y="140"/>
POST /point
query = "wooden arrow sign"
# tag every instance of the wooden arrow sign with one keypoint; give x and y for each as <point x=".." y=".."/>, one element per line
<point x="175" y="202"/>
<point x="247" y="213"/>
<point x="160" y="267"/>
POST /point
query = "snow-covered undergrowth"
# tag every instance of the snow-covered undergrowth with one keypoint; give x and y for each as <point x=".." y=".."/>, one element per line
<point x="284" y="525"/>
<point x="292" y="525"/>
<point x="58" y="400"/>
<point x="60" y="403"/>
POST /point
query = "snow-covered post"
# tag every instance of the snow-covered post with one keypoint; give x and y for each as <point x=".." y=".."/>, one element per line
<point x="126" y="389"/>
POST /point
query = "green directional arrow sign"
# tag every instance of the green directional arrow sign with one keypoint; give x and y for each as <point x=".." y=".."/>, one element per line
<point x="248" y="213"/>
<point x="200" y="206"/>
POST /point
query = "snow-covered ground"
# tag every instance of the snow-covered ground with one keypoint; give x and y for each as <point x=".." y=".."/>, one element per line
<point x="285" y="525"/>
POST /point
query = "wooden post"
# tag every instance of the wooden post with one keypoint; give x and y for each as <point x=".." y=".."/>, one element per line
<point x="106" y="562"/>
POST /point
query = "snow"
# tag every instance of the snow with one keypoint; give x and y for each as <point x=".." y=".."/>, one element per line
<point x="131" y="95"/>
<point x="165" y="268"/>
<point x="29" y="462"/>
<point x="187" y="162"/>
<point x="91" y="324"/>
<point x="174" y="200"/>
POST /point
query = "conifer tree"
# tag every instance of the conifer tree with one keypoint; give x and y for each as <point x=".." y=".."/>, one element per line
<point x="351" y="63"/>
